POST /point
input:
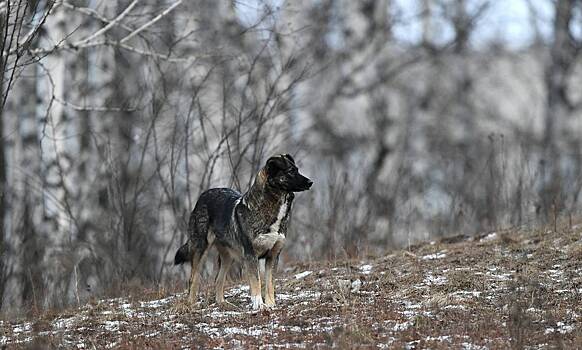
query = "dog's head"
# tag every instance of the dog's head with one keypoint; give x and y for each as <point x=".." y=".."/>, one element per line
<point x="282" y="174"/>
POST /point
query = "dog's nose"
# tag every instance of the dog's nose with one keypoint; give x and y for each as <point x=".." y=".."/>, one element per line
<point x="309" y="183"/>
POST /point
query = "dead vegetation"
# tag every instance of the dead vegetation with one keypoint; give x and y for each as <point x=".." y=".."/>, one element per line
<point x="518" y="289"/>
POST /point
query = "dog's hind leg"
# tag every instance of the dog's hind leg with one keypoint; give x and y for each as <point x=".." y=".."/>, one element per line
<point x="198" y="259"/>
<point x="225" y="261"/>
<point x="202" y="240"/>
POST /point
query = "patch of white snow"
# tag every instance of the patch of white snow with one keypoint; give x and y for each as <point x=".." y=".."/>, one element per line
<point x="303" y="274"/>
<point x="366" y="269"/>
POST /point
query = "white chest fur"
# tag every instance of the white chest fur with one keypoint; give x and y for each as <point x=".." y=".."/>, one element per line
<point x="267" y="241"/>
<point x="281" y="214"/>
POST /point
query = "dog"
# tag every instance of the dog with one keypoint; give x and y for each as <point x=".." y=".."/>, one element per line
<point x="244" y="228"/>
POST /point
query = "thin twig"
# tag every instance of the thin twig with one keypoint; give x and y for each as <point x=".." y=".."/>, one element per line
<point x="93" y="108"/>
<point x="108" y="26"/>
<point x="148" y="24"/>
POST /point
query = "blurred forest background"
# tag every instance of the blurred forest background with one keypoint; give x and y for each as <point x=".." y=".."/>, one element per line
<point x="416" y="119"/>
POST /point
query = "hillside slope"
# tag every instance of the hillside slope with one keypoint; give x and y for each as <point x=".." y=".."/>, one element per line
<point x="507" y="289"/>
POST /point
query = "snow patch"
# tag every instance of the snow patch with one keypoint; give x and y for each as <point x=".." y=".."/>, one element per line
<point x="236" y="330"/>
<point x="150" y="334"/>
<point x="171" y="326"/>
<point x="399" y="327"/>
<point x="560" y="291"/>
<point x="440" y="338"/>
<point x="207" y="329"/>
<point x="412" y="344"/>
<point x="25" y="327"/>
<point x="366" y="269"/>
<point x="356" y="284"/>
<point x="468" y="292"/>
<point x="220" y="314"/>
<point x="303" y="274"/>
<point x="454" y="306"/>
<point x="283" y="297"/>
<point x="237" y="290"/>
<point x="489" y="237"/>
<point x="561" y="328"/>
<point x="113" y="326"/>
<point x="308" y="294"/>
<point x="64" y="323"/>
<point x="434" y="256"/>
<point x="434" y="280"/>
<point x="155" y="303"/>
<point x="469" y="346"/>
<point x="111" y="345"/>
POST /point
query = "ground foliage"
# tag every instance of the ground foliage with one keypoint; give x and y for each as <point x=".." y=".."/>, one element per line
<point x="506" y="289"/>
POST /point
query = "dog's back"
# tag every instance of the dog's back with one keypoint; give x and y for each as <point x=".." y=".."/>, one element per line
<point x="213" y="211"/>
<point x="217" y="204"/>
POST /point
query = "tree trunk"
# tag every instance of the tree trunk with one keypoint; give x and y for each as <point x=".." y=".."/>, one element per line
<point x="58" y="144"/>
<point x="557" y="72"/>
<point x="427" y="21"/>
<point x="2" y="182"/>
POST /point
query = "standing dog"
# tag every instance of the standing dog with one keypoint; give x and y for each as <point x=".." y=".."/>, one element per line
<point x="245" y="228"/>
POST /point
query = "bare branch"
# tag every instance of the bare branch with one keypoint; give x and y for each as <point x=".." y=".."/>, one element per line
<point x="110" y="25"/>
<point x="150" y="23"/>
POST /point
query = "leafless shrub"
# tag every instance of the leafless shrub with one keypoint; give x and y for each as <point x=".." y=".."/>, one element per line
<point x="117" y="114"/>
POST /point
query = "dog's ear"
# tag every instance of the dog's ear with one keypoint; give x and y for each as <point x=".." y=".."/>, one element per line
<point x="288" y="156"/>
<point x="274" y="164"/>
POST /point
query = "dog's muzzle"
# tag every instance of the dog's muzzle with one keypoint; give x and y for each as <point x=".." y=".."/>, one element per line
<point x="306" y="184"/>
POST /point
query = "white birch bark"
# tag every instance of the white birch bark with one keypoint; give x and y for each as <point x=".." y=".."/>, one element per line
<point x="24" y="229"/>
<point x="59" y="146"/>
<point x="98" y="128"/>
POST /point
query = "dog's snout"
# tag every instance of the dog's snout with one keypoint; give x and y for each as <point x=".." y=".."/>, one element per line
<point x="309" y="183"/>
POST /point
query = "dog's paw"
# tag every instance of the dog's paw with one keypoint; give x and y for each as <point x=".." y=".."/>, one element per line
<point x="257" y="302"/>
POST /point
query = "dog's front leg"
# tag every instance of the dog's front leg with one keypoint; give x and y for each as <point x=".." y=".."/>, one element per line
<point x="269" y="288"/>
<point x="270" y="267"/>
<point x="252" y="272"/>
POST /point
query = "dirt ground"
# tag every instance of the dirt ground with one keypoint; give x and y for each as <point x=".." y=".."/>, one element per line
<point x="511" y="289"/>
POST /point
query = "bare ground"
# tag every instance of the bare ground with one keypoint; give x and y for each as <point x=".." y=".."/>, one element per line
<point x="502" y="290"/>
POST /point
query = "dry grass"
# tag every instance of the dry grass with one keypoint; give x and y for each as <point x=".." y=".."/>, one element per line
<point x="508" y="290"/>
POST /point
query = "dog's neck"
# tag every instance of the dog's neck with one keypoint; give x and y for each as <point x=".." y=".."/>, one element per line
<point x="262" y="196"/>
<point x="270" y="205"/>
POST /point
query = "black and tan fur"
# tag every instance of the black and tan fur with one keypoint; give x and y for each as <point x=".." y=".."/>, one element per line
<point x="244" y="228"/>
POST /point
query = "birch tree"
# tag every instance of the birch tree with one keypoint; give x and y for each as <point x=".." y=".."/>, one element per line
<point x="117" y="114"/>
<point x="21" y="22"/>
<point x="563" y="53"/>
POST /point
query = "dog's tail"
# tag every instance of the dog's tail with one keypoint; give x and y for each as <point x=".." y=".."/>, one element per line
<point x="183" y="254"/>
